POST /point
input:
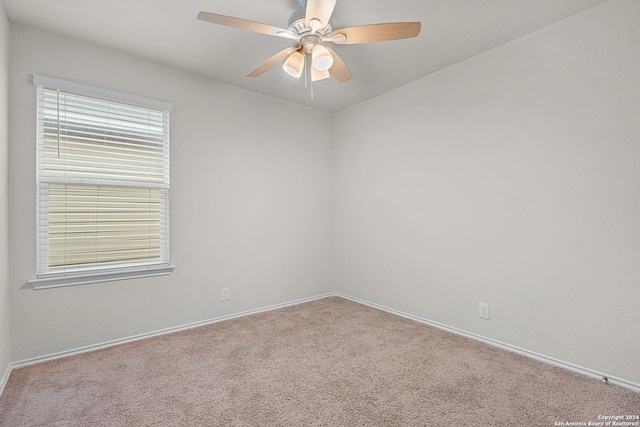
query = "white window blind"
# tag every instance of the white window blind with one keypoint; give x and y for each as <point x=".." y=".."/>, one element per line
<point x="103" y="183"/>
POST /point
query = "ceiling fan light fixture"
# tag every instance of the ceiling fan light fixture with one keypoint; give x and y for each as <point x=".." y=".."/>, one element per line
<point x="294" y="64"/>
<point x="319" y="75"/>
<point x="322" y="58"/>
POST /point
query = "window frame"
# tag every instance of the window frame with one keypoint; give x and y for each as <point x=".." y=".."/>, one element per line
<point x="49" y="279"/>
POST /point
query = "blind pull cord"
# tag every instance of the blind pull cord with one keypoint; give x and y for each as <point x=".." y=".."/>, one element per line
<point x="58" y="108"/>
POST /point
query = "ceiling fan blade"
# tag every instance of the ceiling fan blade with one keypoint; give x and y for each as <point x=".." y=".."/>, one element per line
<point x="376" y="33"/>
<point x="278" y="57"/>
<point x="320" y="10"/>
<point x="339" y="70"/>
<point x="244" y="24"/>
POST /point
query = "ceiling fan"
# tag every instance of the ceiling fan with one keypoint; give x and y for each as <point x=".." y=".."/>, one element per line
<point x="310" y="26"/>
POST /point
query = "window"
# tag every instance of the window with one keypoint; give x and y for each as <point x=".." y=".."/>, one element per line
<point x="103" y="185"/>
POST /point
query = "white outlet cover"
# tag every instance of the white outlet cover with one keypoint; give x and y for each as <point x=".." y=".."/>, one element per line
<point x="485" y="312"/>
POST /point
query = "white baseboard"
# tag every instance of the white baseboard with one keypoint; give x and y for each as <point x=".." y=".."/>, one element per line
<point x="94" y="347"/>
<point x="532" y="354"/>
<point x="5" y="377"/>
<point x="556" y="362"/>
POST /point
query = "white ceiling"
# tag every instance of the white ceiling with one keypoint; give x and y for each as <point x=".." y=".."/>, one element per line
<point x="167" y="32"/>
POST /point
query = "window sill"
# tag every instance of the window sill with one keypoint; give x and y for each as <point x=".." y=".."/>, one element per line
<point x="59" y="281"/>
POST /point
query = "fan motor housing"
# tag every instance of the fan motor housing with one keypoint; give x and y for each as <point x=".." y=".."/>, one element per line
<point x="298" y="25"/>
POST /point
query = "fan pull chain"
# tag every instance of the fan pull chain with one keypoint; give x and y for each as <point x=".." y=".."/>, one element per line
<point x="308" y="79"/>
<point x="305" y="70"/>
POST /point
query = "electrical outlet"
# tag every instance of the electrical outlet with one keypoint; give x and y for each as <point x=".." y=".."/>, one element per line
<point x="484" y="311"/>
<point x="225" y="294"/>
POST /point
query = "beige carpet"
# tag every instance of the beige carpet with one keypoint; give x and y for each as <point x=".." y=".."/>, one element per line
<point x="330" y="362"/>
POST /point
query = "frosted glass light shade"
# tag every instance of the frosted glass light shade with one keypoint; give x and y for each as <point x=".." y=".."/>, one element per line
<point x="319" y="75"/>
<point x="322" y="58"/>
<point x="294" y="64"/>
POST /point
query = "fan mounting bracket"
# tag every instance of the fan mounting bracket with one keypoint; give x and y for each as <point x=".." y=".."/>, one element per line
<point x="309" y="41"/>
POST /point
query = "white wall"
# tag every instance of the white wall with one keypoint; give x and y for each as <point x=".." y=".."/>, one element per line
<point x="4" y="192"/>
<point x="512" y="178"/>
<point x="250" y="203"/>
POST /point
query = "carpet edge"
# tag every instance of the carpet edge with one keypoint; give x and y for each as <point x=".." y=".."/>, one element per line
<point x="509" y="347"/>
